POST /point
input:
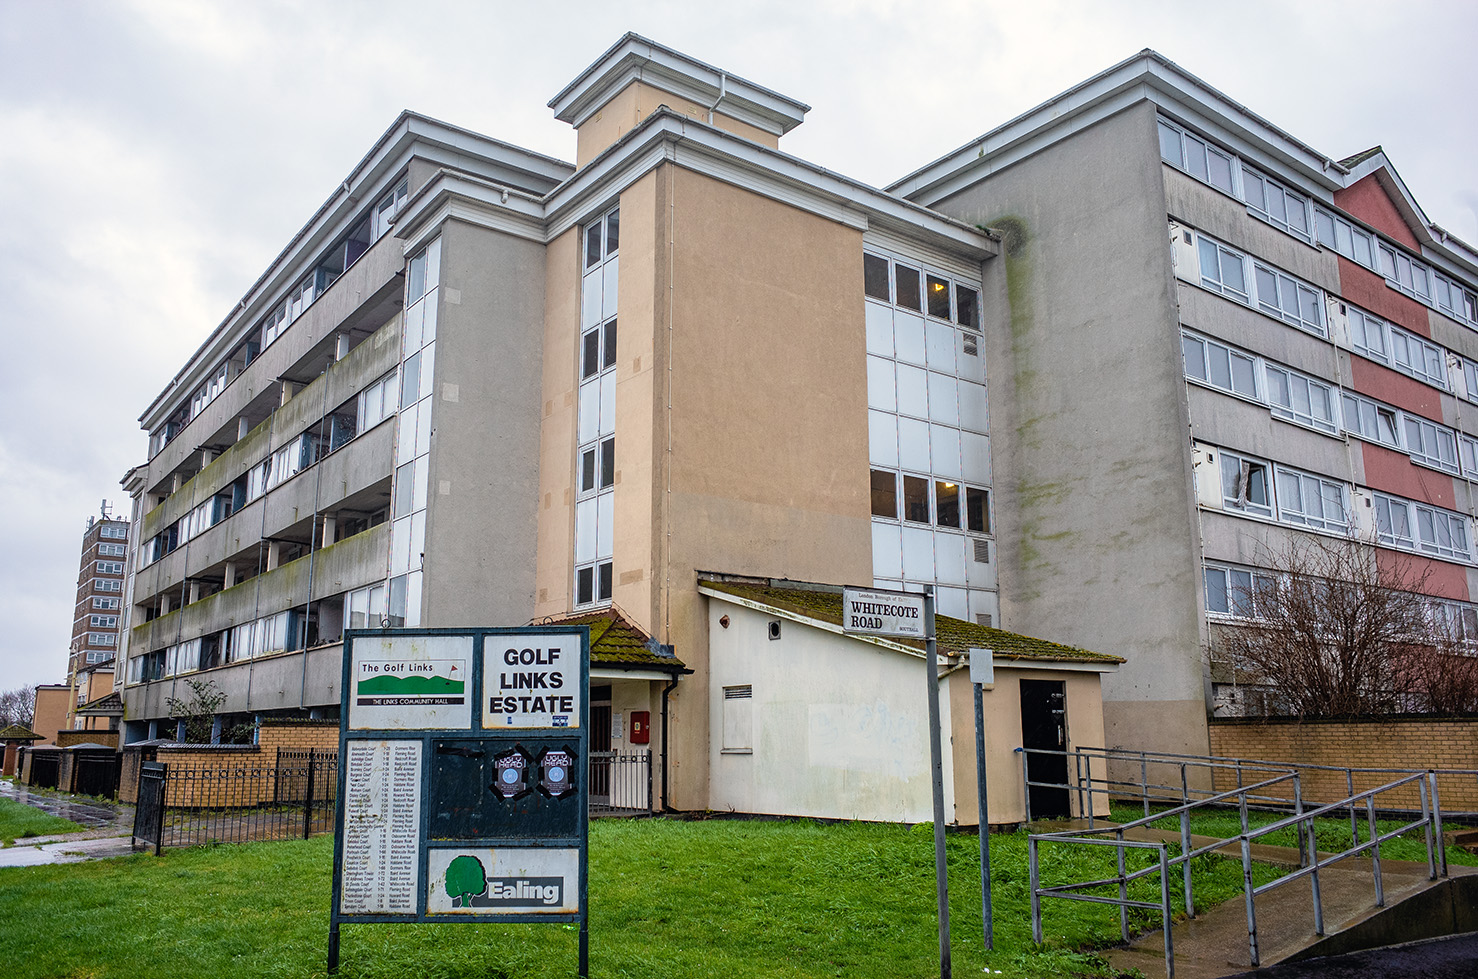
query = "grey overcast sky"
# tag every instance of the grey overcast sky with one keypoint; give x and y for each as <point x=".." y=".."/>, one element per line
<point x="157" y="154"/>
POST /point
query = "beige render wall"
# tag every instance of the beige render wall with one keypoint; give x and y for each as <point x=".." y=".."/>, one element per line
<point x="554" y="562"/>
<point x="628" y="107"/>
<point x="768" y="465"/>
<point x="1001" y="704"/>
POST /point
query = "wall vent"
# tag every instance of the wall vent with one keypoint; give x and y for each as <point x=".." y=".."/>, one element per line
<point x="982" y="552"/>
<point x="972" y="345"/>
<point x="984" y="618"/>
<point x="745" y="692"/>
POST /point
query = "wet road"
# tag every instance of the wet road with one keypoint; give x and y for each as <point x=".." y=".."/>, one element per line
<point x="1441" y="958"/>
<point x="107" y="829"/>
<point x="89" y="814"/>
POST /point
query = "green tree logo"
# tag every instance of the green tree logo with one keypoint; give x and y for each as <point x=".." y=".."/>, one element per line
<point x="465" y="879"/>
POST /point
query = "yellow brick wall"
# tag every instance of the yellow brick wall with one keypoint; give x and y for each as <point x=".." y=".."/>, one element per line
<point x="1388" y="743"/>
<point x="65" y="739"/>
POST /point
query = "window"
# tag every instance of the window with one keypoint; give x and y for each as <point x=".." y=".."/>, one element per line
<point x="1455" y="300"/>
<point x="1244" y="484"/>
<point x="111" y="550"/>
<point x="1368" y="335"/>
<point x="1205" y="162"/>
<point x="875" y="277"/>
<point x="598" y="350"/>
<point x="364" y="608"/>
<point x="1429" y="443"/>
<point x="950" y="504"/>
<point x="97" y="656"/>
<point x="885" y="494"/>
<point x="1412" y="355"/>
<point x="107" y="584"/>
<point x="1294" y="397"/>
<point x="1238" y="592"/>
<point x="937" y="290"/>
<point x="102" y="639"/>
<point x="593" y="584"/>
<point x="602" y="238"/>
<point x="115" y="531"/>
<point x="1222" y="269"/>
<point x="1275" y="203"/>
<point x="1371" y="420"/>
<point x="378" y="401"/>
<point x="915" y="499"/>
<point x="906" y="281"/>
<point x="424" y="273"/>
<point x="1281" y="295"/>
<point x="387" y="207"/>
<point x="598" y="466"/>
<point x="1441" y="533"/>
<point x="98" y="602"/>
<point x="1219" y="365"/>
<point x="1310" y="500"/>
<point x="1467" y="450"/>
<point x="110" y="567"/>
<point x="103" y="621"/>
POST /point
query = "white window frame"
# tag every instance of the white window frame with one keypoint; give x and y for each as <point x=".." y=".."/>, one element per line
<point x="1212" y="352"/>
<point x="1312" y="508"/>
<point x="1302" y="410"/>
<point x="1362" y="417"/>
<point x="1430" y="443"/>
<point x="1234" y="490"/>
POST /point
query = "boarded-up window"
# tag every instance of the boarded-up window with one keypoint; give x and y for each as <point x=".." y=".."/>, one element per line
<point x="738" y="720"/>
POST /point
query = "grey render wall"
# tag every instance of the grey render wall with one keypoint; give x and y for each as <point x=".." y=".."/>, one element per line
<point x="484" y="468"/>
<point x="1094" y="499"/>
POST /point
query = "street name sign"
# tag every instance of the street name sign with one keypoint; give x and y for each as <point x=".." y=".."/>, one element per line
<point x="883" y="613"/>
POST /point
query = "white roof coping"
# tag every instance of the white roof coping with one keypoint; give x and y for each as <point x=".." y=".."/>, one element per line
<point x="636" y="58"/>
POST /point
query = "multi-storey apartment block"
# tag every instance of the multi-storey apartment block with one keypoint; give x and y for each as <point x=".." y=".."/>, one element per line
<point x="1219" y="340"/>
<point x="483" y="386"/>
<point x="97" y="615"/>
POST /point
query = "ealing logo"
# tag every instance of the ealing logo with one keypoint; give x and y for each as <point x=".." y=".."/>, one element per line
<point x="468" y="885"/>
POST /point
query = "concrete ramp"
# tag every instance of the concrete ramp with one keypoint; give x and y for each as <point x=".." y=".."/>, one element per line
<point x="1214" y="944"/>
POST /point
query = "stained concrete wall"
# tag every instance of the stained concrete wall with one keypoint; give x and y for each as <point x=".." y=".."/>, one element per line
<point x="484" y="466"/>
<point x="1094" y="498"/>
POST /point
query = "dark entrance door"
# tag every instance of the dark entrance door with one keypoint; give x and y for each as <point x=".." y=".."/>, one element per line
<point x="600" y="749"/>
<point x="1044" y="728"/>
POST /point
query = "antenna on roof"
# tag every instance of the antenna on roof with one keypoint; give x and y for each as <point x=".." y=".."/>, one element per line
<point x="106" y="515"/>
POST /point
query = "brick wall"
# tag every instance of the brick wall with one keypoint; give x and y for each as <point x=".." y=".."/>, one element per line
<point x="1389" y="743"/>
<point x="65" y="739"/>
<point x="298" y="736"/>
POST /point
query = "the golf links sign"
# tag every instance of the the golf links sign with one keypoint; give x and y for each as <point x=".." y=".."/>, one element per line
<point x="462" y="788"/>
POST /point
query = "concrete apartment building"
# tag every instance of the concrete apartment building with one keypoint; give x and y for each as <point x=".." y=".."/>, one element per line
<point x="1218" y="339"/>
<point x="483" y="386"/>
<point x="96" y="620"/>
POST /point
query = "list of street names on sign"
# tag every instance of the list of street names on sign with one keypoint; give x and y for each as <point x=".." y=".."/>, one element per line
<point x="382" y="827"/>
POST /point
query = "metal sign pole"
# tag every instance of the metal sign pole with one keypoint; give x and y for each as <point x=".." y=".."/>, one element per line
<point x="936" y="754"/>
<point x="985" y="909"/>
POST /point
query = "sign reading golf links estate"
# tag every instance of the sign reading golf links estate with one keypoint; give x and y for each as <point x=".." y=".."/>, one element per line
<point x="462" y="778"/>
<point x="883" y="613"/>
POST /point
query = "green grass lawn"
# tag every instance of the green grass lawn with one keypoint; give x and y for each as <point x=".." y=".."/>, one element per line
<point x="668" y="899"/>
<point x="19" y="821"/>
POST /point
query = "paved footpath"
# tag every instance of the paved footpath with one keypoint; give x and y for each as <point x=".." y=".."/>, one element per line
<point x="108" y="829"/>
<point x="1440" y="958"/>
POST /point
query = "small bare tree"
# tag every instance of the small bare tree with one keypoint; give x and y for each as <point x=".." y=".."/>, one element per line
<point x="18" y="706"/>
<point x="1340" y="629"/>
<point x="198" y="711"/>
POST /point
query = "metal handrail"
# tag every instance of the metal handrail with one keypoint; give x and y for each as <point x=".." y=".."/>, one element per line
<point x="1302" y="822"/>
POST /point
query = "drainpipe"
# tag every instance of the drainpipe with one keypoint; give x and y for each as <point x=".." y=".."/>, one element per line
<point x="665" y="691"/>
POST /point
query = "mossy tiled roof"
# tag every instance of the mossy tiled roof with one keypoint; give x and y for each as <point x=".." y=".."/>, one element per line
<point x="615" y="641"/>
<point x="17" y="733"/>
<point x="954" y="636"/>
<point x="110" y="702"/>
